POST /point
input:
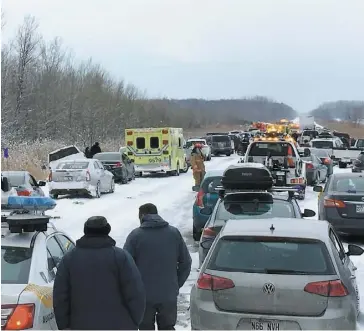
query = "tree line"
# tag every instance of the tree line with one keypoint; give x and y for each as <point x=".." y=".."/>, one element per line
<point x="45" y="94"/>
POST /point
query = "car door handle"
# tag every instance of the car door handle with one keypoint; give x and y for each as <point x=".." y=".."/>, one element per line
<point x="352" y="277"/>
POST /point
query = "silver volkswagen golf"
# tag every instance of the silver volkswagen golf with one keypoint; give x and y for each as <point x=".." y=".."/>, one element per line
<point x="289" y="275"/>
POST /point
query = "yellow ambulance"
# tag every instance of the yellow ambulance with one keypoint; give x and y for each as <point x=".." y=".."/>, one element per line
<point x="156" y="150"/>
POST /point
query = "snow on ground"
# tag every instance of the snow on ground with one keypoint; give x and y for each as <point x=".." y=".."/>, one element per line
<point x="174" y="198"/>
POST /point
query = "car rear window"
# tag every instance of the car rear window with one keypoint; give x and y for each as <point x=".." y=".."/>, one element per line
<point x="220" y="138"/>
<point x="349" y="185"/>
<point x="211" y="182"/>
<point x="320" y="153"/>
<point x="253" y="209"/>
<point x="274" y="255"/>
<point x="16" y="180"/>
<point x="107" y="156"/>
<point x="310" y="133"/>
<point x="15" y="265"/>
<point x="63" y="153"/>
<point x="275" y="149"/>
<point x="323" y="144"/>
<point x="73" y="165"/>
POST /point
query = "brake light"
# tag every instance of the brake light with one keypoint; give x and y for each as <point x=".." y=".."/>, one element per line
<point x="130" y="143"/>
<point x="199" y="198"/>
<point x="214" y="283"/>
<point x="118" y="164"/>
<point x="24" y="193"/>
<point x="332" y="288"/>
<point x="165" y="131"/>
<point x="50" y="177"/>
<point x="20" y="317"/>
<point x="327" y="161"/>
<point x="129" y="133"/>
<point x="88" y="176"/>
<point x="309" y="166"/>
<point x="208" y="232"/>
<point x="165" y="142"/>
<point x="334" y="203"/>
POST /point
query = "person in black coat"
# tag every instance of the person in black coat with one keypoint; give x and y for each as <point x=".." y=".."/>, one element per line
<point x="97" y="285"/>
<point x="95" y="148"/>
<point x="164" y="262"/>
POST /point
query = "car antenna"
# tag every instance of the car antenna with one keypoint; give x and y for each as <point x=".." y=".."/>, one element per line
<point x="272" y="228"/>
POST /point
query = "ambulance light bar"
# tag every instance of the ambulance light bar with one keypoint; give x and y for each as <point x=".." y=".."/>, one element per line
<point x="19" y="203"/>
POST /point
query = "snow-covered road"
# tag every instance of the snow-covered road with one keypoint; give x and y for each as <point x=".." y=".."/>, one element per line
<point x="174" y="198"/>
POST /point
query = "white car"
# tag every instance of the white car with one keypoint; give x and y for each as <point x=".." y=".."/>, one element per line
<point x="29" y="263"/>
<point x="65" y="153"/>
<point x="206" y="149"/>
<point x="83" y="176"/>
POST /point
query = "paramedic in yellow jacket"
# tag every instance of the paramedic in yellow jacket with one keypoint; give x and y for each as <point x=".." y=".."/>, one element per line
<point x="197" y="164"/>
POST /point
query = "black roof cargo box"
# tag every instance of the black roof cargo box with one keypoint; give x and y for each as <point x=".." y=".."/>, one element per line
<point x="247" y="176"/>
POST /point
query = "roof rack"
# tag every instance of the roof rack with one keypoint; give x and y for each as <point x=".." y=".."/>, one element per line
<point x="26" y="214"/>
<point x="223" y="192"/>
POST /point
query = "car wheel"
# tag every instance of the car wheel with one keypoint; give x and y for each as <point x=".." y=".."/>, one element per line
<point x="133" y="176"/>
<point x="177" y="171"/>
<point x="210" y="156"/>
<point x="124" y="180"/>
<point x="195" y="234"/>
<point x="98" y="190"/>
<point x="228" y="154"/>
<point x="112" y="187"/>
<point x="185" y="168"/>
<point x="53" y="196"/>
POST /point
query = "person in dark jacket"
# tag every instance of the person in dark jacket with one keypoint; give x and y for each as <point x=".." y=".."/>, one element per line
<point x="88" y="153"/>
<point x="164" y="262"/>
<point x="95" y="148"/>
<point x="97" y="285"/>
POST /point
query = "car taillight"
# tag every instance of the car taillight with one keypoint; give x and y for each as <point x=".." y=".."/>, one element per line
<point x="199" y="198"/>
<point x="50" y="177"/>
<point x="214" y="283"/>
<point x="118" y="164"/>
<point x="334" y="203"/>
<point x="88" y="176"/>
<point x="327" y="161"/>
<point x="24" y="193"/>
<point x="309" y="165"/>
<point x="208" y="232"/>
<point x="331" y="288"/>
<point x="19" y="317"/>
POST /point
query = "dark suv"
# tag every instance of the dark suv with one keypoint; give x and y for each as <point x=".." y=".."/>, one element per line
<point x="220" y="144"/>
<point x="246" y="206"/>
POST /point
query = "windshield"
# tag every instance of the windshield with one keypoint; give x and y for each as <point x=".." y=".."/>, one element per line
<point x="328" y="144"/>
<point x="107" y="156"/>
<point x="63" y="153"/>
<point x="274" y="149"/>
<point x="349" y="185"/>
<point x="73" y="165"/>
<point x="15" y="265"/>
<point x="271" y="255"/>
<point x="249" y="210"/>
<point x="220" y="138"/>
<point x="360" y="143"/>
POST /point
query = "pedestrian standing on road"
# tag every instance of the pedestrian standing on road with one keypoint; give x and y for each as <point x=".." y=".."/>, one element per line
<point x="97" y="285"/>
<point x="164" y="262"/>
<point x="197" y="164"/>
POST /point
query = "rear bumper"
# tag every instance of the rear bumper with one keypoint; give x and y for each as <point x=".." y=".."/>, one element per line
<point x="205" y="316"/>
<point x="152" y="168"/>
<point x="61" y="188"/>
<point x="350" y="226"/>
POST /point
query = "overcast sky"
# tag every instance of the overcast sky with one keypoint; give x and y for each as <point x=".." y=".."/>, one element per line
<point x="301" y="52"/>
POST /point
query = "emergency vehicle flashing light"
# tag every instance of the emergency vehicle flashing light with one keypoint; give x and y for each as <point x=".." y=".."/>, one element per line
<point x="30" y="203"/>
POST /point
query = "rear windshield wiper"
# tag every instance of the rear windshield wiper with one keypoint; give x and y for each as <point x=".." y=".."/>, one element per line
<point x="285" y="272"/>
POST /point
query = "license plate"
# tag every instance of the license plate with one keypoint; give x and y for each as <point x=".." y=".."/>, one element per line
<point x="280" y="173"/>
<point x="264" y="325"/>
<point x="68" y="178"/>
<point x="360" y="209"/>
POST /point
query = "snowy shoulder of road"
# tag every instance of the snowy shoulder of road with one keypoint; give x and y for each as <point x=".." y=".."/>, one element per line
<point x="174" y="198"/>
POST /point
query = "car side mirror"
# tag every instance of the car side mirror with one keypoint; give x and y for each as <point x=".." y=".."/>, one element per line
<point x="206" y="211"/>
<point x="317" y="188"/>
<point x="5" y="186"/>
<point x="308" y="213"/>
<point x="195" y="188"/>
<point x="42" y="183"/>
<point x="206" y="244"/>
<point x="354" y="250"/>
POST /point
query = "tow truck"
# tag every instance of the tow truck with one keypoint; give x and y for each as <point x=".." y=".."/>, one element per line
<point x="31" y="248"/>
<point x="247" y="192"/>
<point x="273" y="153"/>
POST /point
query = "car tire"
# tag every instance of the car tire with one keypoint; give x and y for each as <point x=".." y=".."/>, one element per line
<point x="210" y="157"/>
<point x="124" y="180"/>
<point x="53" y="196"/>
<point x="98" y="191"/>
<point x="228" y="154"/>
<point x="195" y="234"/>
<point x="177" y="171"/>
<point x="185" y="169"/>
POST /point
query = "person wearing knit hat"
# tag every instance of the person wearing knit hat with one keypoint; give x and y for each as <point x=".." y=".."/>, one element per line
<point x="98" y="286"/>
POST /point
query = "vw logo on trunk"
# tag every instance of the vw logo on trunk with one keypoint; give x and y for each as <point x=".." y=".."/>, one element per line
<point x="268" y="288"/>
